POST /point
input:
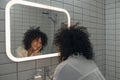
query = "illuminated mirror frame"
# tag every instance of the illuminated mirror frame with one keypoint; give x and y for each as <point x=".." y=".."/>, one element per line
<point x="8" y="34"/>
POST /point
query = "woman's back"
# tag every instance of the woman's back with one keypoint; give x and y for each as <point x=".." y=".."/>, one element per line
<point x="78" y="68"/>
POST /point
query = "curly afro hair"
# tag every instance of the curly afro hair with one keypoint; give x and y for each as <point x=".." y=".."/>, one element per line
<point x="73" y="41"/>
<point x="32" y="34"/>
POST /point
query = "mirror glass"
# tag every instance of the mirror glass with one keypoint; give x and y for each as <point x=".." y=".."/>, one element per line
<point x="23" y="17"/>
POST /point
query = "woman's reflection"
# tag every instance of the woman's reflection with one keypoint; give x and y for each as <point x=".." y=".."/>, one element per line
<point x="33" y="42"/>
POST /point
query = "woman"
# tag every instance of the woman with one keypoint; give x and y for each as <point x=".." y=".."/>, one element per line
<point x="34" y="41"/>
<point x="76" y="55"/>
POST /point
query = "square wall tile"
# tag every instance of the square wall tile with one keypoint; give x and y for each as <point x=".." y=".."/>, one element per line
<point x="77" y="16"/>
<point x="85" y="5"/>
<point x="109" y="1"/>
<point x="57" y="4"/>
<point x="93" y="14"/>
<point x="43" y="62"/>
<point x="117" y="15"/>
<point x="117" y="21"/>
<point x="110" y="60"/>
<point x="118" y="75"/>
<point x="110" y="6"/>
<point x="26" y="65"/>
<point x="110" y="16"/>
<point x="59" y="0"/>
<point x="2" y="25"/>
<point x="87" y="18"/>
<point x="118" y="69"/>
<point x="111" y="21"/>
<point x="117" y="10"/>
<point x="118" y="66"/>
<point x="68" y="2"/>
<point x="117" y="27"/>
<point x="110" y="52"/>
<point x="110" y="32"/>
<point x="110" y="11"/>
<point x="2" y="47"/>
<point x="118" y="54"/>
<point x="100" y="11"/>
<point x="55" y="60"/>
<point x="2" y="36"/>
<point x="93" y="8"/>
<point x="87" y="24"/>
<point x="110" y="47"/>
<point x="110" y="37"/>
<point x="110" y="73"/>
<point x="3" y="3"/>
<point x="87" y="1"/>
<point x="78" y="3"/>
<point x="110" y="42"/>
<point x="46" y="2"/>
<point x="26" y="75"/>
<point x="2" y="14"/>
<point x="12" y="76"/>
<point x="68" y="7"/>
<point x="7" y="68"/>
<point x="93" y="2"/>
<point x="4" y="59"/>
<point x="78" y="10"/>
<point x="86" y="12"/>
<point x="110" y="68"/>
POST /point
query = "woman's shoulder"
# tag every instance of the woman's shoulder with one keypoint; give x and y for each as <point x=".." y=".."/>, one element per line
<point x="20" y="48"/>
<point x="65" y="71"/>
<point x="21" y="52"/>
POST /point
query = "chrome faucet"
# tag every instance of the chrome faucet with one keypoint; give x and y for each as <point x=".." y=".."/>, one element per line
<point x="46" y="73"/>
<point x="43" y="73"/>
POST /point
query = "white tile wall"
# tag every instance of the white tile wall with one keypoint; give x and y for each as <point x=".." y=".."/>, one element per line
<point x="89" y="12"/>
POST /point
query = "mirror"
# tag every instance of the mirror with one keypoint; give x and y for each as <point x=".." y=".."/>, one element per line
<point x="23" y="15"/>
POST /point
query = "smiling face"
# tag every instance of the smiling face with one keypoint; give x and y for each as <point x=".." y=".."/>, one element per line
<point x="36" y="44"/>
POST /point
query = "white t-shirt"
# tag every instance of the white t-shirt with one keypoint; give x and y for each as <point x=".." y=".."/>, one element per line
<point x="21" y="52"/>
<point x="77" y="68"/>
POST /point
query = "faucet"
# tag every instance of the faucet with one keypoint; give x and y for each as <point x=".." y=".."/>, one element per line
<point x="46" y="73"/>
<point x="42" y="73"/>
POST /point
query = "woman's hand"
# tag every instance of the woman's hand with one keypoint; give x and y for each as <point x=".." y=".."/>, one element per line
<point x="36" y="52"/>
<point x="32" y="52"/>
